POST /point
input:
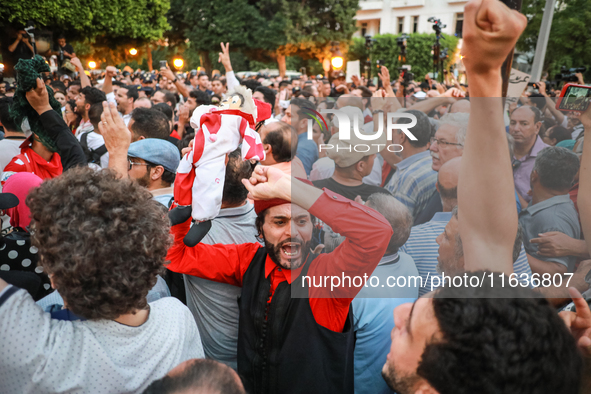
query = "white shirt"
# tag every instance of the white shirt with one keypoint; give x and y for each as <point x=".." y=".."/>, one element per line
<point x="43" y="355"/>
<point x="95" y="141"/>
<point x="8" y="149"/>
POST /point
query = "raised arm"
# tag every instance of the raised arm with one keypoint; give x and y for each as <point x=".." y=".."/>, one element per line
<point x="180" y="86"/>
<point x="224" y="58"/>
<point x="84" y="80"/>
<point x="110" y="73"/>
<point x="584" y="197"/>
<point x="486" y="196"/>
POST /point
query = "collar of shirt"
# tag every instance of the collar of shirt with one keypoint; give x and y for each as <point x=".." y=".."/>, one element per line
<point x="390" y="259"/>
<point x="235" y="211"/>
<point x="412" y="159"/>
<point x="556" y="200"/>
<point x="289" y="275"/>
<point x="538" y="146"/>
<point x="163" y="191"/>
<point x="441" y="217"/>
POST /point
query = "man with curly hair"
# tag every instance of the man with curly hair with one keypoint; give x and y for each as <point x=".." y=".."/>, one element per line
<point x="102" y="241"/>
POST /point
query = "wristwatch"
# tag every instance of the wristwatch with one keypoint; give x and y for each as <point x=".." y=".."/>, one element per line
<point x="376" y="111"/>
<point x="174" y="80"/>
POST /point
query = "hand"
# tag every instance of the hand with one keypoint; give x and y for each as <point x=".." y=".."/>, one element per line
<point x="454" y="92"/>
<point x="318" y="249"/>
<point x="542" y="88"/>
<point x="580" y="78"/>
<point x="359" y="200"/>
<point x="384" y="76"/>
<point x="112" y="127"/>
<point x="428" y="78"/>
<point x="184" y="114"/>
<point x="39" y="98"/>
<point x="188" y="149"/>
<point x="355" y="79"/>
<point x="111" y="71"/>
<point x="585" y="118"/>
<point x="167" y="73"/>
<point x="267" y="183"/>
<point x="491" y="30"/>
<point x="555" y="244"/>
<point x="579" y="322"/>
<point x="76" y="62"/>
<point x="224" y="56"/>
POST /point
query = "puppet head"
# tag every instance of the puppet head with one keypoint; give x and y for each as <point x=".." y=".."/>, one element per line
<point x="240" y="98"/>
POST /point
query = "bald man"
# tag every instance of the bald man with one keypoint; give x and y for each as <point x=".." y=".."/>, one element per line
<point x="421" y="244"/>
<point x="460" y="106"/>
<point x="198" y="376"/>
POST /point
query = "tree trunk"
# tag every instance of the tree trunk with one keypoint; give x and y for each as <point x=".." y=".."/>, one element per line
<point x="149" y="52"/>
<point x="205" y="61"/>
<point x="281" y="65"/>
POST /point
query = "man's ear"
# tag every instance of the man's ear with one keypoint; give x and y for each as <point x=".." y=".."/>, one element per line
<point x="156" y="172"/>
<point x="302" y="123"/>
<point x="437" y="187"/>
<point x="534" y="176"/>
<point x="268" y="149"/>
<point x="425" y="388"/>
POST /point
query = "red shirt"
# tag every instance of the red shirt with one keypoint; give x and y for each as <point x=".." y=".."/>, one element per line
<point x="29" y="161"/>
<point x="367" y="236"/>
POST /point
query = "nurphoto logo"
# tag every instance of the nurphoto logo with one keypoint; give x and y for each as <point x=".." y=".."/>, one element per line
<point x="360" y="141"/>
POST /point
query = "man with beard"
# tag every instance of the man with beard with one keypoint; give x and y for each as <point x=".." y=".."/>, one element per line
<point x="85" y="99"/>
<point x="485" y="337"/>
<point x="153" y="163"/>
<point x="295" y="335"/>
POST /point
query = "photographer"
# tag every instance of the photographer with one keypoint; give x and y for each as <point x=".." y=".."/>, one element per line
<point x="63" y="52"/>
<point x="21" y="48"/>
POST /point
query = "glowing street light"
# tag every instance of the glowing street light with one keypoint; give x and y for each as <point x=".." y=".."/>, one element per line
<point x="336" y="60"/>
<point x="91" y="65"/>
<point x="133" y="51"/>
<point x="178" y="63"/>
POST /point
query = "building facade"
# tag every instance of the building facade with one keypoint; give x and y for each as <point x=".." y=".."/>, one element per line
<point x="409" y="16"/>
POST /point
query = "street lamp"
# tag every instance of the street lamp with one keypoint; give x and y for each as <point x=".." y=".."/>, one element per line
<point x="133" y="51"/>
<point x="178" y="63"/>
<point x="92" y="65"/>
<point x="336" y="60"/>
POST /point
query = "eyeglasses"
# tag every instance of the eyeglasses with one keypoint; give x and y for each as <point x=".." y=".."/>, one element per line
<point x="132" y="163"/>
<point x="443" y="143"/>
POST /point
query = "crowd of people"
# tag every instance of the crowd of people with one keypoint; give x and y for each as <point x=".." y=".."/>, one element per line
<point x="101" y="291"/>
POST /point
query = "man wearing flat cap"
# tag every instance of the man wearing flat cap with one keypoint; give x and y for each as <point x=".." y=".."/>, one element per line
<point x="295" y="335"/>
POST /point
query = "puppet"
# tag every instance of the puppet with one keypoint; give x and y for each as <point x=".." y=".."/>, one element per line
<point x="199" y="183"/>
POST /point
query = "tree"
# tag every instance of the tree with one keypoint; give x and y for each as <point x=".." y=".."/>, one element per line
<point x="418" y="52"/>
<point x="207" y="23"/>
<point x="569" y="35"/>
<point x="136" y="19"/>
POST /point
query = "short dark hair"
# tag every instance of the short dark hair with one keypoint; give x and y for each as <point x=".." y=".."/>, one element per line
<point x="132" y="91"/>
<point x="283" y="141"/>
<point x="365" y="92"/>
<point x="202" y="74"/>
<point x="201" y="375"/>
<point x="93" y="95"/>
<point x="236" y="170"/>
<point x="268" y="94"/>
<point x="499" y="339"/>
<point x="303" y="104"/>
<point x="169" y="97"/>
<point x="422" y="130"/>
<point x="58" y="86"/>
<point x="96" y="281"/>
<point x="283" y="83"/>
<point x="5" y="118"/>
<point x="558" y="133"/>
<point x="165" y="109"/>
<point x="150" y="123"/>
<point x="538" y="100"/>
<point x="200" y="96"/>
<point x="252" y="84"/>
<point x="94" y="114"/>
<point x="556" y="167"/>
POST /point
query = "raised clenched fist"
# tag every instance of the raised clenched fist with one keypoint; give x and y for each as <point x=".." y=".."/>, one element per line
<point x="491" y="30"/>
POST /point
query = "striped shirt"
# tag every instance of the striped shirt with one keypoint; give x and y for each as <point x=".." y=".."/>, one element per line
<point x="423" y="248"/>
<point x="413" y="183"/>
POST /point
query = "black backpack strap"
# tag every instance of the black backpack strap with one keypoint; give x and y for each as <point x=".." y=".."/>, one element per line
<point x="100" y="151"/>
<point x="84" y="140"/>
<point x="170" y="202"/>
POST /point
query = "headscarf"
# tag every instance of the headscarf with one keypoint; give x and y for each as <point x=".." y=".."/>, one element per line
<point x="20" y="184"/>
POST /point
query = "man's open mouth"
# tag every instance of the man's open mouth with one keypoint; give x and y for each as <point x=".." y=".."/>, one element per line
<point x="291" y="249"/>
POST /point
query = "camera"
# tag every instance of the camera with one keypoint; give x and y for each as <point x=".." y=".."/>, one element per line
<point x="437" y="25"/>
<point x="569" y="74"/>
<point x="407" y="76"/>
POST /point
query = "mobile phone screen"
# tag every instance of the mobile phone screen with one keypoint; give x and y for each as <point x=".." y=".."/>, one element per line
<point x="575" y="98"/>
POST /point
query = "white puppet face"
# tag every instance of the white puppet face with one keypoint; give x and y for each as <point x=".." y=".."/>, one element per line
<point x="231" y="102"/>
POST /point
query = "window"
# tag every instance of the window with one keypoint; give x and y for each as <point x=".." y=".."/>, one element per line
<point x="459" y="25"/>
<point x="415" y="24"/>
<point x="363" y="29"/>
<point x="400" y="24"/>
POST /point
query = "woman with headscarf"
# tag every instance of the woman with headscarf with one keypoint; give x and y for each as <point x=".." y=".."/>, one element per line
<point x="16" y="251"/>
